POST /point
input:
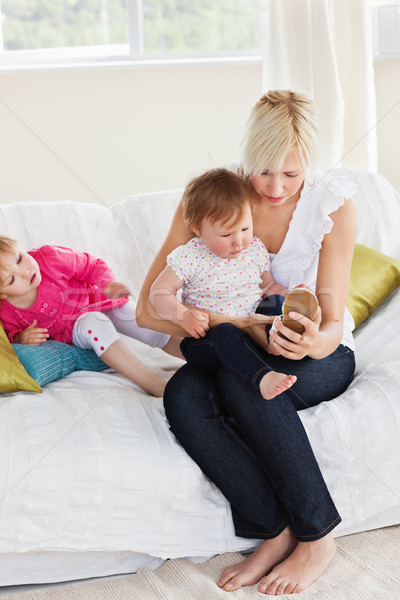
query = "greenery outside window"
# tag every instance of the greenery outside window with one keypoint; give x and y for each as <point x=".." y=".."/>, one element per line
<point x="35" y="31"/>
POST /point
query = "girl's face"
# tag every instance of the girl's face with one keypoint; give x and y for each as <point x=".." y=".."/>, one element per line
<point x="20" y="275"/>
<point x="279" y="188"/>
<point x="228" y="240"/>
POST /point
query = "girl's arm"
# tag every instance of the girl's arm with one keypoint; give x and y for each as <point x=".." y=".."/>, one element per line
<point x="163" y="297"/>
<point x="270" y="287"/>
<point x="332" y="286"/>
<point x="68" y="263"/>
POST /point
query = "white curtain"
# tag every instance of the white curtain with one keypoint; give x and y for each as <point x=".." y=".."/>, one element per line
<point x="324" y="48"/>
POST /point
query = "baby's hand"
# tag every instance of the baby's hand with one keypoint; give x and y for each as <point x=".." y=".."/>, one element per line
<point x="115" y="289"/>
<point x="195" y="323"/>
<point x="32" y="335"/>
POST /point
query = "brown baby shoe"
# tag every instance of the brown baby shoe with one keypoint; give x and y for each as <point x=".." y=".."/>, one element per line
<point x="302" y="301"/>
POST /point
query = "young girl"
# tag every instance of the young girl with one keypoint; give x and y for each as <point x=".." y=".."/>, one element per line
<point x="55" y="292"/>
<point x="225" y="269"/>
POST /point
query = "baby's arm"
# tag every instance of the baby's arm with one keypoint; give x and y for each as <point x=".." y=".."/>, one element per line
<point x="32" y="335"/>
<point x="163" y="298"/>
<point x="270" y="287"/>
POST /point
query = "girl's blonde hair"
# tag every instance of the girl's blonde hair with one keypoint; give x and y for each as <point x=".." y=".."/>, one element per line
<point x="7" y="244"/>
<point x="217" y="194"/>
<point x="282" y="121"/>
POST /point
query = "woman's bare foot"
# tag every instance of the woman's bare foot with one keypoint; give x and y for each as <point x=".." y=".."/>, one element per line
<point x="274" y="383"/>
<point x="306" y="563"/>
<point x="260" y="562"/>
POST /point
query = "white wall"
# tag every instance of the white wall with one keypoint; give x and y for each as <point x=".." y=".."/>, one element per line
<point x="100" y="135"/>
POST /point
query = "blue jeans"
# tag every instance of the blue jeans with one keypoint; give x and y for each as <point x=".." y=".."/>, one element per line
<point x="256" y="451"/>
<point x="226" y="345"/>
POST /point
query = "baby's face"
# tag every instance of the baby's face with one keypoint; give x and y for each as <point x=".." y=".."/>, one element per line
<point x="20" y="275"/>
<point x="228" y="240"/>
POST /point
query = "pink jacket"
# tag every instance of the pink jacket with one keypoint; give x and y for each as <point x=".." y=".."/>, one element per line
<point x="71" y="285"/>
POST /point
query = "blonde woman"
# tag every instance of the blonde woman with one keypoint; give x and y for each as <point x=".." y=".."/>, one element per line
<point x="266" y="467"/>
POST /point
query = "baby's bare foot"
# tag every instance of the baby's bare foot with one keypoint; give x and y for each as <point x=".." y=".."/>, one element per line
<point x="274" y="383"/>
<point x="260" y="562"/>
<point x="306" y="563"/>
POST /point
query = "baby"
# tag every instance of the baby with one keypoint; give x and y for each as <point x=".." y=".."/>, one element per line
<point x="224" y="269"/>
<point x="59" y="293"/>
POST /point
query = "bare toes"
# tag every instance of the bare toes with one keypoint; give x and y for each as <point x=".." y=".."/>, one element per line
<point x="233" y="585"/>
<point x="226" y="576"/>
<point x="281" y="589"/>
<point x="265" y="585"/>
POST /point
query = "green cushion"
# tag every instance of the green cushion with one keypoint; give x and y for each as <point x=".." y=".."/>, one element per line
<point x="13" y="376"/>
<point x="374" y="276"/>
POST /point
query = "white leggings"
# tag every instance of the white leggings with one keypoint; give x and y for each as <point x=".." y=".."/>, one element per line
<point x="98" y="330"/>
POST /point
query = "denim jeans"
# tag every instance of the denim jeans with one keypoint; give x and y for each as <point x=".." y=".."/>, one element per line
<point x="256" y="451"/>
<point x="226" y="345"/>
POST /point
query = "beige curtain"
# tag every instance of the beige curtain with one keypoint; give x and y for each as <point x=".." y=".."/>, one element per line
<point x="324" y="48"/>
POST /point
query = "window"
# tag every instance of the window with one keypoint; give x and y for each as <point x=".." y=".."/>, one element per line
<point x="43" y="30"/>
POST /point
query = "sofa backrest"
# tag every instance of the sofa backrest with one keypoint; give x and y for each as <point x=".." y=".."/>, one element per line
<point x="378" y="210"/>
<point x="128" y="234"/>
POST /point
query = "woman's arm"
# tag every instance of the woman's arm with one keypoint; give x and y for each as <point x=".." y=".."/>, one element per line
<point x="146" y="314"/>
<point x="332" y="286"/>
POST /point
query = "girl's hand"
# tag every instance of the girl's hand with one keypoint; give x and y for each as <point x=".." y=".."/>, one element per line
<point x="297" y="346"/>
<point x="115" y="289"/>
<point x="195" y="323"/>
<point x="32" y="335"/>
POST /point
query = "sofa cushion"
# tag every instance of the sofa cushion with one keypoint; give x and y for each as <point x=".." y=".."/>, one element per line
<point x="13" y="376"/>
<point x="374" y="276"/>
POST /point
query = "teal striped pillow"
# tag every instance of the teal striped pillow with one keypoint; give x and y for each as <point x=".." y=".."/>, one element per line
<point x="54" y="360"/>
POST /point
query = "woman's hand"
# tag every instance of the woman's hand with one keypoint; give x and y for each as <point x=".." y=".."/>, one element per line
<point x="254" y="326"/>
<point x="32" y="335"/>
<point x="116" y="289"/>
<point x="297" y="346"/>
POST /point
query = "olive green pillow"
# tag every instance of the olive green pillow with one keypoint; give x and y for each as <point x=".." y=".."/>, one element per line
<point x="374" y="276"/>
<point x="13" y="376"/>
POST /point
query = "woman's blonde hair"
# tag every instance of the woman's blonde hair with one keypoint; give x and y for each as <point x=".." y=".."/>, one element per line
<point x="282" y="121"/>
<point x="217" y="194"/>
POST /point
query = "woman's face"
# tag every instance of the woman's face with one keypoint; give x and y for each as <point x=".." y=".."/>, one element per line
<point x="279" y="188"/>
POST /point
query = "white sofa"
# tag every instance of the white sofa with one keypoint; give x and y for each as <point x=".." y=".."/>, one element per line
<point x="91" y="480"/>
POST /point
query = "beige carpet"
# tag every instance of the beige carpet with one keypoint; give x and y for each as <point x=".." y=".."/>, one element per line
<point x="367" y="567"/>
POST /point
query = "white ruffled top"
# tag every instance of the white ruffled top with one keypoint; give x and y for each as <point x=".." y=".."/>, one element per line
<point x="297" y="260"/>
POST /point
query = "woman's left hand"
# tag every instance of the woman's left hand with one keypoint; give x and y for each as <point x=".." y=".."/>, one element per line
<point x="298" y="345"/>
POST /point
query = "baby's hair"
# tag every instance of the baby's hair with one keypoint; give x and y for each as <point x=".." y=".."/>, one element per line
<point x="282" y="121"/>
<point x="217" y="194"/>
